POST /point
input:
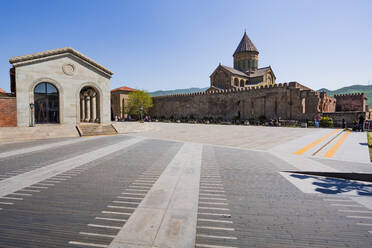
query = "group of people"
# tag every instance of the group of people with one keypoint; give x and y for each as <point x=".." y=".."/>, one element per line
<point x="358" y="125"/>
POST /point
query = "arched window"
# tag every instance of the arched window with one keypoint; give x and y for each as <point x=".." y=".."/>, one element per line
<point x="241" y="83"/>
<point x="236" y="82"/>
<point x="89" y="105"/>
<point x="46" y="100"/>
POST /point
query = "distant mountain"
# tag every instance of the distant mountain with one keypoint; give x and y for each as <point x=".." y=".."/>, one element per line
<point x="176" y="91"/>
<point x="366" y="89"/>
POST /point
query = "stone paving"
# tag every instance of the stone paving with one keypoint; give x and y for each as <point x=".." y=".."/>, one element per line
<point x="250" y="137"/>
<point x="93" y="192"/>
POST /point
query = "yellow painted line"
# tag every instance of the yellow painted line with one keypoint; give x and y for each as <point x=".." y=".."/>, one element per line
<point x="304" y="149"/>
<point x="331" y="152"/>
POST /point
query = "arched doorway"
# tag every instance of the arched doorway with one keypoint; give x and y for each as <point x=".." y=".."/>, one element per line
<point x="46" y="100"/>
<point x="89" y="105"/>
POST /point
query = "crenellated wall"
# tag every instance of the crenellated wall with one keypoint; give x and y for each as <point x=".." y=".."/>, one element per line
<point x="351" y="102"/>
<point x="291" y="101"/>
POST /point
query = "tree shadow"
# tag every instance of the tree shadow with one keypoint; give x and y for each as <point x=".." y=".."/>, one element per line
<point x="328" y="185"/>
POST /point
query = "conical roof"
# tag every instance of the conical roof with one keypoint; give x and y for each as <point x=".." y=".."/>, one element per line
<point x="245" y="45"/>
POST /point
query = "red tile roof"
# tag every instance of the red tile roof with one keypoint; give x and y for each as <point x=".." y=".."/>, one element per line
<point x="2" y="91"/>
<point x="124" y="88"/>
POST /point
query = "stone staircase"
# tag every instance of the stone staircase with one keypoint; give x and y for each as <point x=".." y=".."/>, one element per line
<point x="95" y="129"/>
<point x="40" y="131"/>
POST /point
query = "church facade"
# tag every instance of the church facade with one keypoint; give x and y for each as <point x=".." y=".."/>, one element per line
<point x="60" y="86"/>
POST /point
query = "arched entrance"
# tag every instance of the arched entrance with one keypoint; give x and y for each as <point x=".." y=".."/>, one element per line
<point x="46" y="100"/>
<point x="89" y="105"/>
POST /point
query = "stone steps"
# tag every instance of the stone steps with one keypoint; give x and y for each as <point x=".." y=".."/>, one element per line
<point x="96" y="129"/>
<point x="40" y="131"/>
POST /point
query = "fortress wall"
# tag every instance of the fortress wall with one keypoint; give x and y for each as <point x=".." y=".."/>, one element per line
<point x="285" y="101"/>
<point x="351" y="102"/>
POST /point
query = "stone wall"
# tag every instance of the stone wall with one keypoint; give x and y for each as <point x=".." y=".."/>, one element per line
<point x="119" y="99"/>
<point x="327" y="103"/>
<point x="290" y="101"/>
<point x="351" y="102"/>
<point x="8" y="111"/>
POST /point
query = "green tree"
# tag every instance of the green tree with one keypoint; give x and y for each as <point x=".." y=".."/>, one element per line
<point x="136" y="100"/>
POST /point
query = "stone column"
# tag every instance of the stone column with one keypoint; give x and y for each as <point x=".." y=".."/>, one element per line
<point x="93" y="106"/>
<point x="87" y="108"/>
<point x="82" y="108"/>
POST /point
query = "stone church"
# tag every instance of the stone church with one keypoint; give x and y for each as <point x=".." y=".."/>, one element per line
<point x="245" y="73"/>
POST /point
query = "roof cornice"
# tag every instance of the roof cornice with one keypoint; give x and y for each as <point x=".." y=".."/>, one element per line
<point x="20" y="60"/>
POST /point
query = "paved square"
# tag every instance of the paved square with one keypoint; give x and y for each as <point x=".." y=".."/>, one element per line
<point x="186" y="185"/>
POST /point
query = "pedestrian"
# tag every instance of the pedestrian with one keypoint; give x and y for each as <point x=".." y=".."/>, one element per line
<point x="317" y="118"/>
<point x="361" y="123"/>
<point x="343" y="124"/>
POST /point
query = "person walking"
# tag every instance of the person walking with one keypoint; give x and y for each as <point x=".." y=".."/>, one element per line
<point x="317" y="119"/>
<point x="361" y="123"/>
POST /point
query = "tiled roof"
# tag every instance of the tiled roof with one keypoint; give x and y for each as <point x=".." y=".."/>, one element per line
<point x="259" y="72"/>
<point x="2" y="91"/>
<point x="124" y="88"/>
<point x="234" y="71"/>
<point x="245" y="45"/>
<point x="20" y="59"/>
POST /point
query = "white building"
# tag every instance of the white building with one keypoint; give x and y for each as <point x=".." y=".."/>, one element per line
<point x="60" y="86"/>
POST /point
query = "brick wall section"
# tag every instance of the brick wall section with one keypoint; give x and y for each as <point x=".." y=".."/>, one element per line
<point x="8" y="112"/>
<point x="351" y="102"/>
<point x="327" y="103"/>
<point x="290" y="101"/>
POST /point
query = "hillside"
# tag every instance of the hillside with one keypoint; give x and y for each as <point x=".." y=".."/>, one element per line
<point x="176" y="91"/>
<point x="367" y="89"/>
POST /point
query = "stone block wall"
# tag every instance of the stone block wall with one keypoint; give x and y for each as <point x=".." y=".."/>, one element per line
<point x="290" y="101"/>
<point x="351" y="102"/>
<point x="119" y="99"/>
<point x="327" y="103"/>
<point x="8" y="112"/>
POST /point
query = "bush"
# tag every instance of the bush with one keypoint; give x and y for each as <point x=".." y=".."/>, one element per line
<point x="326" y="122"/>
<point x="262" y="118"/>
<point x="236" y="119"/>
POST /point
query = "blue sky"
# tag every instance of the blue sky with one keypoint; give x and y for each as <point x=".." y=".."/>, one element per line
<point x="156" y="45"/>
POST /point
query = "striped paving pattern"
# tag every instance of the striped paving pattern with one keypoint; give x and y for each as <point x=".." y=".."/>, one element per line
<point x="215" y="229"/>
<point x="93" y="198"/>
<point x="110" y="220"/>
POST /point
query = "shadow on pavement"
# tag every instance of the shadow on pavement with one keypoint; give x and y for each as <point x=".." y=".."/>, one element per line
<point x="327" y="185"/>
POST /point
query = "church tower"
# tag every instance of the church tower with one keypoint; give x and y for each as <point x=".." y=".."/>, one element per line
<point x="246" y="55"/>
